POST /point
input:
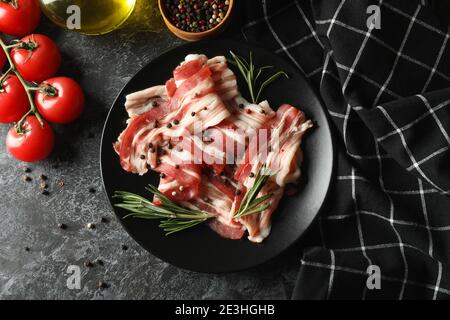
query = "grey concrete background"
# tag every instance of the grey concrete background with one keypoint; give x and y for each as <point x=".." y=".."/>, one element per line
<point x="102" y="64"/>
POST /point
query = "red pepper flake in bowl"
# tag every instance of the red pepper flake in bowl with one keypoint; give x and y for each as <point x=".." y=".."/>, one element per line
<point x="196" y="15"/>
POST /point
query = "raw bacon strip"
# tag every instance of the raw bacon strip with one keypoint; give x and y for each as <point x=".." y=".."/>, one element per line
<point x="172" y="189"/>
<point x="224" y="79"/>
<point x="217" y="198"/>
<point x="250" y="117"/>
<point x="226" y="231"/>
<point x="188" y="68"/>
<point x="171" y="87"/>
<point x="134" y="141"/>
<point x="287" y="129"/>
<point x="142" y="101"/>
<point x="280" y="152"/>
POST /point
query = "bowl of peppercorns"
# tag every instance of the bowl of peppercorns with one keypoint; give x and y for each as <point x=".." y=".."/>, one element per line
<point x="194" y="20"/>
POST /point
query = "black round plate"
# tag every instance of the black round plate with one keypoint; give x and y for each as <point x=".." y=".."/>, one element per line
<point x="201" y="249"/>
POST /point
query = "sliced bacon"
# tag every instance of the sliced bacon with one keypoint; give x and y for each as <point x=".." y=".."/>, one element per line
<point x="280" y="153"/>
<point x="227" y="231"/>
<point x="217" y="198"/>
<point x="187" y="69"/>
<point x="137" y="134"/>
<point x="205" y="139"/>
<point x="142" y="101"/>
<point x="177" y="192"/>
<point x="171" y="87"/>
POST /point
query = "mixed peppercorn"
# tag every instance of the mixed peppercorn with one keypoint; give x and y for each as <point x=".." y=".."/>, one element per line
<point x="196" y="15"/>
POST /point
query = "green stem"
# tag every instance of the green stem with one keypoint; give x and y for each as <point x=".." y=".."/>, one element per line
<point x="33" y="88"/>
<point x="28" y="90"/>
<point x="11" y="46"/>
<point x="5" y="75"/>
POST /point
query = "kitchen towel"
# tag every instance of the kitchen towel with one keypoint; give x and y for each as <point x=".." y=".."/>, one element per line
<point x="382" y="69"/>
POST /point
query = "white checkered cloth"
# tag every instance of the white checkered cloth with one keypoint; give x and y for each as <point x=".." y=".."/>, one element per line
<point x="388" y="93"/>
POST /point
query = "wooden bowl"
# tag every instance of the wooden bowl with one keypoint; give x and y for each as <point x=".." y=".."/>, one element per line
<point x="195" y="36"/>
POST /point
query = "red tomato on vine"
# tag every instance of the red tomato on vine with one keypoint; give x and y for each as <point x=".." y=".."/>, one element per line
<point x="61" y="100"/>
<point x="34" y="143"/>
<point x="37" y="57"/>
<point x="13" y="100"/>
<point x="19" y="17"/>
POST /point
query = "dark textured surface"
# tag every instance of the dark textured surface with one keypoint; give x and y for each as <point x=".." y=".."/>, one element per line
<point x="103" y="65"/>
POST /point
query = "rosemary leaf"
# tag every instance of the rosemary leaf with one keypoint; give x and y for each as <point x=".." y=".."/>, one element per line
<point x="252" y="74"/>
<point x="173" y="217"/>
<point x="269" y="81"/>
<point x="250" y="203"/>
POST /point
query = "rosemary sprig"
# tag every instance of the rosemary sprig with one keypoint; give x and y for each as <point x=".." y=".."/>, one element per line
<point x="173" y="217"/>
<point x="251" y="204"/>
<point x="251" y="75"/>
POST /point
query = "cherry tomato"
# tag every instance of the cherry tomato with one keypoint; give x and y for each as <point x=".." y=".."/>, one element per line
<point x="34" y="144"/>
<point x="19" y="17"/>
<point x="38" y="58"/>
<point x="66" y="103"/>
<point x="13" y="100"/>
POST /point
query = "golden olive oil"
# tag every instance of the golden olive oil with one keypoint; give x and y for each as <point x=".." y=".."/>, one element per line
<point x="88" y="16"/>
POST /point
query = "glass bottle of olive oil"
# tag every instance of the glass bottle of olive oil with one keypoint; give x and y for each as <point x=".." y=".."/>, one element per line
<point x="88" y="16"/>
